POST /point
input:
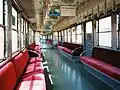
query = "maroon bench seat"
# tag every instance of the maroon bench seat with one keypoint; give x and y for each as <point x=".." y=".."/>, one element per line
<point x="67" y="50"/>
<point x="60" y="47"/>
<point x="22" y="73"/>
<point x="69" y="47"/>
<point x="104" y="60"/>
<point x="106" y="68"/>
<point x="49" y="41"/>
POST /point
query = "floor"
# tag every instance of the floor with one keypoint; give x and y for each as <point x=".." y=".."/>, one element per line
<point x="67" y="75"/>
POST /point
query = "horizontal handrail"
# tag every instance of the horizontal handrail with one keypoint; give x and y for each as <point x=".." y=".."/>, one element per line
<point x="76" y="49"/>
<point x="85" y="51"/>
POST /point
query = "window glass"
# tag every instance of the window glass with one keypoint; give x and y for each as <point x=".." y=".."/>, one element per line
<point x="117" y="21"/>
<point x="14" y="40"/>
<point x="73" y="38"/>
<point x="65" y="32"/>
<point x="79" y="39"/>
<point x="1" y="10"/>
<point x="21" y="24"/>
<point x="69" y="35"/>
<point x="105" y="39"/>
<point x="14" y="18"/>
<point x="55" y="36"/>
<point x="69" y="38"/>
<point x="105" y="32"/>
<point x="69" y="32"/>
<point x="37" y="37"/>
<point x="118" y="31"/>
<point x="79" y="30"/>
<point x="105" y="24"/>
<point x="89" y="27"/>
<point x="22" y="40"/>
<point x="59" y="36"/>
<point x="65" y="38"/>
<point x="6" y="13"/>
<point x="62" y="33"/>
<point x="1" y="42"/>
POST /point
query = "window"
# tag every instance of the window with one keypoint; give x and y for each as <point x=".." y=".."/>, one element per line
<point x="22" y="33"/>
<point x="69" y="35"/>
<point x="79" y="34"/>
<point x="118" y="31"/>
<point x="14" y="18"/>
<point x="50" y="36"/>
<point x="55" y="36"/>
<point x="105" y="32"/>
<point x="6" y="24"/>
<point x="14" y="40"/>
<point x="30" y="35"/>
<point x="14" y="30"/>
<point x="37" y="37"/>
<point x="73" y="35"/>
<point x="89" y="27"/>
<point x="66" y="38"/>
<point x="1" y="42"/>
<point x="60" y="36"/>
<point x="1" y="11"/>
<point x="1" y="31"/>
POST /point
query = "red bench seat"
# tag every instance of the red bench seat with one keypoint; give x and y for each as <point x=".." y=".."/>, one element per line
<point x="106" y="68"/>
<point x="69" y="47"/>
<point x="104" y="60"/>
<point x="23" y="73"/>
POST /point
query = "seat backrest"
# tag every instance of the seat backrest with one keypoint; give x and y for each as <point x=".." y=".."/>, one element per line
<point x="1" y="80"/>
<point x="20" y="62"/>
<point x="107" y="55"/>
<point x="8" y="77"/>
<point x="26" y="55"/>
<point x="71" y="45"/>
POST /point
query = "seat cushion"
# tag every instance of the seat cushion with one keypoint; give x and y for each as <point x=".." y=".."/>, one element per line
<point x="34" y="68"/>
<point x="9" y="77"/>
<point x="34" y="60"/>
<point x="60" y="47"/>
<point x="32" y="85"/>
<point x="67" y="50"/>
<point x="106" y="68"/>
<point x="39" y="76"/>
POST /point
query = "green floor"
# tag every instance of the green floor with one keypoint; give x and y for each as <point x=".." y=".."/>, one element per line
<point x="67" y="75"/>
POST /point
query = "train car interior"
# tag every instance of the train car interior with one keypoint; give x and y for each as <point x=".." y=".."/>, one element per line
<point x="60" y="45"/>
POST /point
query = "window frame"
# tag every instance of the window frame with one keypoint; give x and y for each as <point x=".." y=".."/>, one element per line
<point x="98" y="32"/>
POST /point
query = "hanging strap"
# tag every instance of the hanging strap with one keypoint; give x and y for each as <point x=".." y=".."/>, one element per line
<point x="114" y="8"/>
<point x="105" y="11"/>
<point x="98" y="13"/>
